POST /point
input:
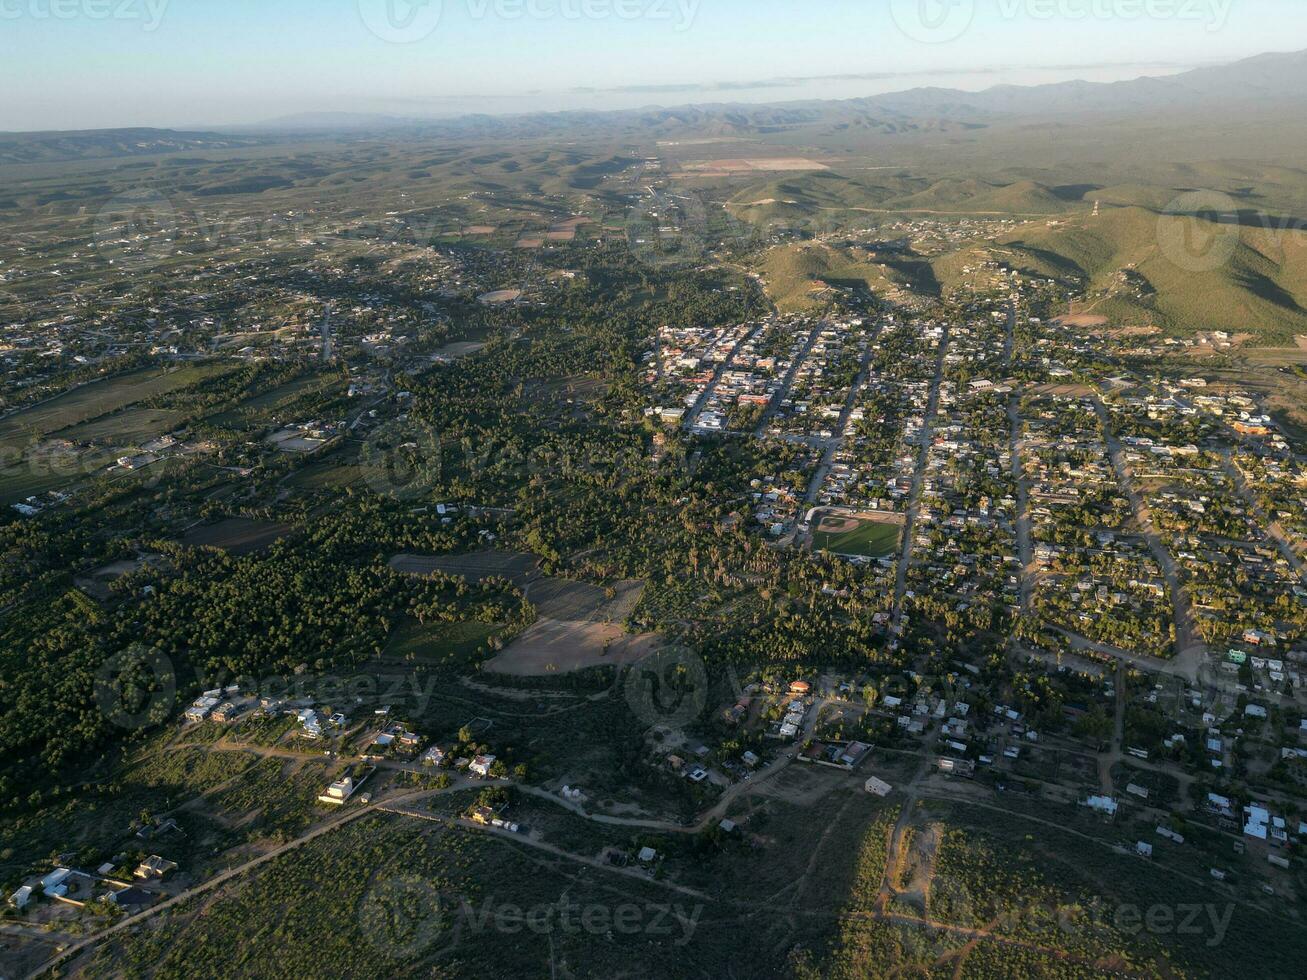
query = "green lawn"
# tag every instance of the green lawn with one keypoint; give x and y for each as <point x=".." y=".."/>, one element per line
<point x="869" y="539"/>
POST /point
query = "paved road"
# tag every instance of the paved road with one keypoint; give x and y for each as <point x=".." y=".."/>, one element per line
<point x="693" y="417"/>
<point x="1271" y="529"/>
<point x="788" y="382"/>
<point x="1191" y="652"/>
<point x="842" y="426"/>
<point x="1025" y="532"/>
<point x="918" y="478"/>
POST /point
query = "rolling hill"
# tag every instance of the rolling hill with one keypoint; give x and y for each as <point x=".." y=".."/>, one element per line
<point x="801" y="278"/>
<point x="1182" y="273"/>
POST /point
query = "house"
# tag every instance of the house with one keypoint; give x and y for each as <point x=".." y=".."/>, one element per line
<point x="1257" y="820"/>
<point x="481" y="765"/>
<point x="201" y="708"/>
<point x="854" y="753"/>
<point x="20" y="898"/>
<point x="878" y="787"/>
<point x="955" y="767"/>
<point x="131" y="899"/>
<point x="339" y="791"/>
<point x="53" y="884"/>
<point x="647" y="855"/>
<point x="1144" y="849"/>
<point x="229" y="711"/>
<point x="433" y="756"/>
<point x="1102" y="804"/>
<point x="154" y="867"/>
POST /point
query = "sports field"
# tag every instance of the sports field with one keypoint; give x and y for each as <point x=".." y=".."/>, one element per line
<point x="855" y="536"/>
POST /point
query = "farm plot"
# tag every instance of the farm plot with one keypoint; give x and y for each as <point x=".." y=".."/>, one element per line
<point x="94" y="400"/>
<point x="237" y="535"/>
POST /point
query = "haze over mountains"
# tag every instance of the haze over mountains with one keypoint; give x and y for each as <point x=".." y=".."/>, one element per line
<point x="1269" y="81"/>
<point x="1265" y="84"/>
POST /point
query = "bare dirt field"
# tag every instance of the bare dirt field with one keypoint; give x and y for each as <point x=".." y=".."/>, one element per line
<point x="1083" y="320"/>
<point x="461" y="348"/>
<point x="529" y="242"/>
<point x="1279" y="356"/>
<point x="479" y="230"/>
<point x="1064" y="391"/>
<point x="558" y="646"/>
<point x="756" y="165"/>
<point x="237" y="535"/>
<point x="579" y="624"/>
<point x="500" y="296"/>
<point x="97" y="583"/>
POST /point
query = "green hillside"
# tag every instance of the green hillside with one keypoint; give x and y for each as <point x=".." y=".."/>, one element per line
<point x="1182" y="274"/>
<point x="831" y="197"/>
<point x="801" y="278"/>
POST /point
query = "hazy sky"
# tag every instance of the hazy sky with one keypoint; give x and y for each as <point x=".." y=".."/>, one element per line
<point x="72" y="64"/>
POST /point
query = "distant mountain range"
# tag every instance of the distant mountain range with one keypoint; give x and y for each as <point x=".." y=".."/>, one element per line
<point x="1269" y="83"/>
<point x="91" y="144"/>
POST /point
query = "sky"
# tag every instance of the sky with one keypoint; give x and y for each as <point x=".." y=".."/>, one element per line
<point x="89" y="64"/>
